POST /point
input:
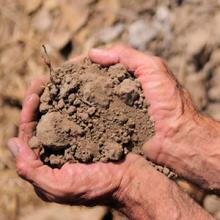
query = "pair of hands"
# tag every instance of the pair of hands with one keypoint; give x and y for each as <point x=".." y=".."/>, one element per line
<point x="111" y="183"/>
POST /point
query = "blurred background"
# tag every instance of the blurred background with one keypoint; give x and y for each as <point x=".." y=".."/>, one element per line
<point x="186" y="33"/>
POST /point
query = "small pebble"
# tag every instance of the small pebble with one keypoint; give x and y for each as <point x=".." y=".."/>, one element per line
<point x="211" y="203"/>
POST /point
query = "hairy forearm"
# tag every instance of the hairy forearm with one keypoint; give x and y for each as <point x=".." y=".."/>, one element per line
<point x="195" y="153"/>
<point x="150" y="196"/>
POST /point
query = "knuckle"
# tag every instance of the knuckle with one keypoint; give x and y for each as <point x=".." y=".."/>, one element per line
<point x="22" y="127"/>
<point x="21" y="169"/>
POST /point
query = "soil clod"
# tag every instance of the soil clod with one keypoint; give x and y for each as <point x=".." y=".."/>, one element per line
<point x="91" y="113"/>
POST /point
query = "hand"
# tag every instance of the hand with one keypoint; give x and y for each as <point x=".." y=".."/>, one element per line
<point x="73" y="183"/>
<point x="183" y="135"/>
<point x="128" y="185"/>
<point x="170" y="105"/>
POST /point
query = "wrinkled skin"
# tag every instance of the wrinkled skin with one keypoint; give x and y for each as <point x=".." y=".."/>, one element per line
<point x="171" y="106"/>
<point x="124" y="183"/>
<point x="185" y="140"/>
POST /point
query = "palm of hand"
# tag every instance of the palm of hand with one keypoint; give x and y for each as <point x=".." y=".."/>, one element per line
<point x="73" y="183"/>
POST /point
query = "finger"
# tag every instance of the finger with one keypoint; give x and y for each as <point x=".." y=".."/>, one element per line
<point x="26" y="160"/>
<point x="152" y="150"/>
<point x="20" y="150"/>
<point x="37" y="86"/>
<point x="104" y="56"/>
<point x="47" y="197"/>
<point x="27" y="131"/>
<point x="130" y="58"/>
<point x="29" y="109"/>
<point x="31" y="168"/>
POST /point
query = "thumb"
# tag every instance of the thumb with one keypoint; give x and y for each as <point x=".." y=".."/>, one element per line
<point x="130" y="58"/>
<point x="152" y="150"/>
<point x="103" y="56"/>
<point x="20" y="150"/>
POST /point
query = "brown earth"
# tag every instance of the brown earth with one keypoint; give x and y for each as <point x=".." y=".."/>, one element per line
<point x="183" y="32"/>
<point x="91" y="113"/>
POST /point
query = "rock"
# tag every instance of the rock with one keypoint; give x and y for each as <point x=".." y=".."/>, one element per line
<point x="118" y="215"/>
<point x="198" y="39"/>
<point x="162" y="13"/>
<point x="195" y="83"/>
<point x="140" y="33"/>
<point x="51" y="4"/>
<point x="214" y="93"/>
<point x="109" y="34"/>
<point x="194" y="191"/>
<point x="211" y="203"/>
<point x="31" y="6"/>
<point x="58" y="39"/>
<point x="213" y="64"/>
<point x="215" y="80"/>
<point x="58" y="212"/>
<point x="74" y="14"/>
<point x="42" y="21"/>
<point x="162" y="22"/>
<point x="216" y="31"/>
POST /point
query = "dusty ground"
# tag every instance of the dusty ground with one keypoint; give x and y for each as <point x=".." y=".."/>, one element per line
<point x="184" y="32"/>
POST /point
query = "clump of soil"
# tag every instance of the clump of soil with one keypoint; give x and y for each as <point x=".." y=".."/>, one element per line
<point x="91" y="113"/>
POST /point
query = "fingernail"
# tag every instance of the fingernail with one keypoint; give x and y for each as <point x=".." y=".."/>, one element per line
<point x="13" y="148"/>
<point x="109" y="55"/>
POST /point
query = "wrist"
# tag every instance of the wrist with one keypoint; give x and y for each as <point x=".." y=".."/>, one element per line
<point x="147" y="194"/>
<point x="195" y="149"/>
<point x="144" y="194"/>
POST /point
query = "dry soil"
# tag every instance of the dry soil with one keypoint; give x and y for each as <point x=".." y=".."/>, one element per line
<point x="91" y="113"/>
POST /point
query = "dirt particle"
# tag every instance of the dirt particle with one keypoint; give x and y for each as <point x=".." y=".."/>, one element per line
<point x="128" y="91"/>
<point x="91" y="111"/>
<point x="34" y="142"/>
<point x="113" y="151"/>
<point x="61" y="104"/>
